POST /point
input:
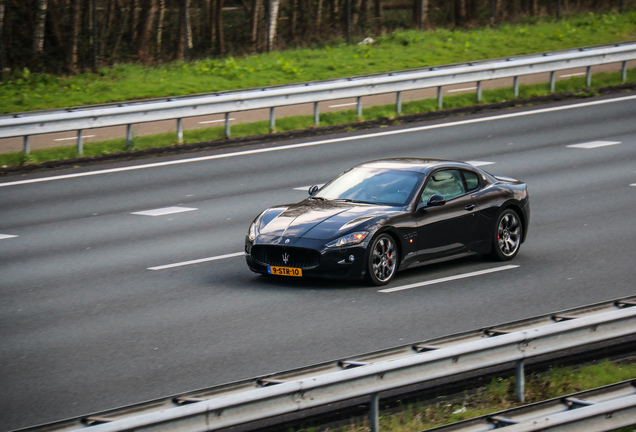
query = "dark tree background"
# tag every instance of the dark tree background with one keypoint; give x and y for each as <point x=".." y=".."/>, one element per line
<point x="69" y="36"/>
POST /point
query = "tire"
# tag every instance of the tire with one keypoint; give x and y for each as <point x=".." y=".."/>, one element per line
<point x="507" y="236"/>
<point x="382" y="260"/>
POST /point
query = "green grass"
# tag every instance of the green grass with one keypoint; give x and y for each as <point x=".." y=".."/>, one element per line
<point x="396" y="51"/>
<point x="498" y="395"/>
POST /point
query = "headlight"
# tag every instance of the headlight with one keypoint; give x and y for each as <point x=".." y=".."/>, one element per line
<point x="349" y="239"/>
<point x="251" y="233"/>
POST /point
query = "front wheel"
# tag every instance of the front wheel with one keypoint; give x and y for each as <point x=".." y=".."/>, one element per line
<point x="507" y="236"/>
<point x="383" y="260"/>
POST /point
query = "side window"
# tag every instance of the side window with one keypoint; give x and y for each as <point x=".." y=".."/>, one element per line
<point x="472" y="180"/>
<point x="446" y="183"/>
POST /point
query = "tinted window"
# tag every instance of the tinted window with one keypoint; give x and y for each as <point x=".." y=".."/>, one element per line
<point x="446" y="183"/>
<point x="380" y="186"/>
<point x="472" y="180"/>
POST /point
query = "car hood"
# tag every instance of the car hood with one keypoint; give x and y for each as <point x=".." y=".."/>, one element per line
<point x="319" y="220"/>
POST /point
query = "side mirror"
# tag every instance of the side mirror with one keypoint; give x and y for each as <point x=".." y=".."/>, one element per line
<point x="313" y="189"/>
<point x="436" y="201"/>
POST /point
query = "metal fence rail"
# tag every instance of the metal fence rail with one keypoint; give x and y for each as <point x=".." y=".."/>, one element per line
<point x="80" y="119"/>
<point x="369" y="374"/>
<point x="602" y="409"/>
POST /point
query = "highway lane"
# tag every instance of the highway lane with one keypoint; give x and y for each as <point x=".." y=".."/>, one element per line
<point x="86" y="326"/>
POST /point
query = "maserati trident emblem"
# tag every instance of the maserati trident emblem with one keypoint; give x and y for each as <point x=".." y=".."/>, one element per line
<point x="285" y="258"/>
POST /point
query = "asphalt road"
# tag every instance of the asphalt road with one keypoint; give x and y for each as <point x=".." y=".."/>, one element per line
<point x="103" y="306"/>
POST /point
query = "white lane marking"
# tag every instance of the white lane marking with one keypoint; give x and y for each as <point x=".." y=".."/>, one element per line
<point x="594" y="144"/>
<point x="342" y="105"/>
<point x="164" y="211"/>
<point x="633" y="184"/>
<point x="479" y="163"/>
<point x="571" y="75"/>
<point x="73" y="138"/>
<point x="461" y="89"/>
<point x="316" y="143"/>
<point x="197" y="261"/>
<point x="215" y="121"/>
<point x="6" y="236"/>
<point x="447" y="279"/>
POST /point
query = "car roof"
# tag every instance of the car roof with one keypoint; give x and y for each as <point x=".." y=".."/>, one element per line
<point x="413" y="164"/>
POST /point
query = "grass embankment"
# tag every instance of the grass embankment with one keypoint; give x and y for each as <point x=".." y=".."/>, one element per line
<point x="499" y="395"/>
<point x="397" y="51"/>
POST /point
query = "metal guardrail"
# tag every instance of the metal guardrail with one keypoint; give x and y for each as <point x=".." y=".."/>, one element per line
<point x="369" y="374"/>
<point x="601" y="409"/>
<point x="79" y="119"/>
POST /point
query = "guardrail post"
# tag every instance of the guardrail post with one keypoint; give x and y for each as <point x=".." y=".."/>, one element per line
<point x="478" y="91"/>
<point x="128" y="136"/>
<point x="398" y="103"/>
<point x="552" y="85"/>
<point x="374" y="413"/>
<point x="80" y="144"/>
<point x="25" y="145"/>
<point x="316" y="114"/>
<point x="272" y="120"/>
<point x="179" y="131"/>
<point x="515" y="85"/>
<point x="624" y="71"/>
<point x="588" y="77"/>
<point x="520" y="378"/>
<point x="440" y="100"/>
<point x="359" y="106"/>
<point x="227" y="125"/>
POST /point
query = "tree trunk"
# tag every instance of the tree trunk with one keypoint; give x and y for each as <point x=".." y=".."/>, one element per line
<point x="160" y="24"/>
<point x="146" y="25"/>
<point x="76" y="16"/>
<point x="273" y="24"/>
<point x="255" y="19"/>
<point x="2" y="61"/>
<point x="420" y="14"/>
<point x="40" y="22"/>
<point x="220" y="41"/>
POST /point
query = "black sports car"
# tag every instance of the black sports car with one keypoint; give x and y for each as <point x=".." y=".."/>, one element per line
<point x="388" y="215"/>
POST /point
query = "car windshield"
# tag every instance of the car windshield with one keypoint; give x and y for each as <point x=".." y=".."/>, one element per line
<point x="372" y="185"/>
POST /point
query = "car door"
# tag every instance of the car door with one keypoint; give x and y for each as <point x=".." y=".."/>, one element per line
<point x="446" y="229"/>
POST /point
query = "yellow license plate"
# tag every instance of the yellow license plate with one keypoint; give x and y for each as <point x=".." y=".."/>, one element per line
<point x="285" y="271"/>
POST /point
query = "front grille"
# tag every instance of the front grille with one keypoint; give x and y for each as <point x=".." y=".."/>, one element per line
<point x="277" y="255"/>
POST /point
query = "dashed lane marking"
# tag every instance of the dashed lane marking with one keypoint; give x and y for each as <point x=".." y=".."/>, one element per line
<point x="215" y="121"/>
<point x="196" y="261"/>
<point x="7" y="236"/>
<point x="448" y="279"/>
<point x="73" y="138"/>
<point x="342" y="105"/>
<point x="461" y="89"/>
<point x="164" y="211"/>
<point x="594" y="144"/>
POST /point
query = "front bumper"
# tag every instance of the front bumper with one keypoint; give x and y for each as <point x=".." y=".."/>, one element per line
<point x="316" y="260"/>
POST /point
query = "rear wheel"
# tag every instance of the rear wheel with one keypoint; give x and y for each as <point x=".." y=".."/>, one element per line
<point x="383" y="260"/>
<point x="507" y="236"/>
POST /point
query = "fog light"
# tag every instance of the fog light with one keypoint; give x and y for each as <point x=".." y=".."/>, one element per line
<point x="351" y="258"/>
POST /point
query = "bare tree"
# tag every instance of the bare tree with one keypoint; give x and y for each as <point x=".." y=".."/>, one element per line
<point x="2" y="61"/>
<point x="160" y="24"/>
<point x="146" y="25"/>
<point x="40" y="22"/>
<point x="76" y="15"/>
<point x="272" y="24"/>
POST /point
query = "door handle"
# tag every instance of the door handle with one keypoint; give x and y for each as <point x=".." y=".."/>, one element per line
<point x="469" y="207"/>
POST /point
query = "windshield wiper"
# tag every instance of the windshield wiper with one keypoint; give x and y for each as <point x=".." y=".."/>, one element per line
<point x="317" y="198"/>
